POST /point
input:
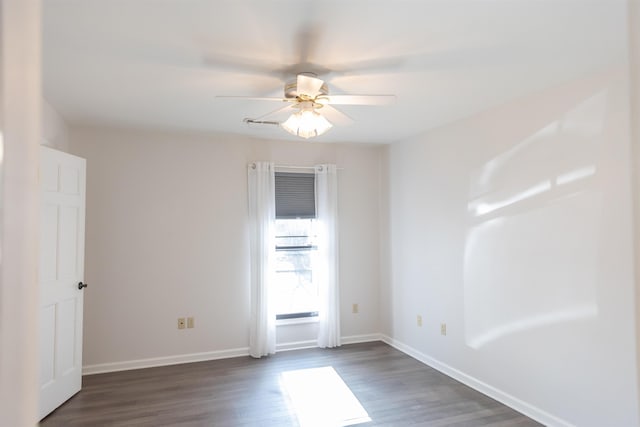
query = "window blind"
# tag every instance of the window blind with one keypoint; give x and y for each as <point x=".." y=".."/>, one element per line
<point x="295" y="195"/>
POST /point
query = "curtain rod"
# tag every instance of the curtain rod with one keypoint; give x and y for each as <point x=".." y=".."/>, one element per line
<point x="296" y="167"/>
<point x="300" y="167"/>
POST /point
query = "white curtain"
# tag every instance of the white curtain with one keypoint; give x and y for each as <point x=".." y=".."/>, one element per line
<point x="327" y="271"/>
<point x="262" y="214"/>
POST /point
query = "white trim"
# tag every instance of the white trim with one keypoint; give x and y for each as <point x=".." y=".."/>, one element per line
<point x="153" y="362"/>
<point x="354" y="339"/>
<point x="296" y="345"/>
<point x="297" y="321"/>
<point x="163" y="361"/>
<point x="499" y="395"/>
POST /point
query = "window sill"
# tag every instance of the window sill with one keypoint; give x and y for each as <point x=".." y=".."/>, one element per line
<point x="298" y="321"/>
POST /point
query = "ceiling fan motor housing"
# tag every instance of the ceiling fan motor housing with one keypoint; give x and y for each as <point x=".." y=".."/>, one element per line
<point x="291" y="89"/>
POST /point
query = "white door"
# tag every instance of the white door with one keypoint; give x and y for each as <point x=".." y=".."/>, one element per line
<point x="62" y="208"/>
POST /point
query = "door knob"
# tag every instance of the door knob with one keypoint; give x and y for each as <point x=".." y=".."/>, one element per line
<point x="82" y="285"/>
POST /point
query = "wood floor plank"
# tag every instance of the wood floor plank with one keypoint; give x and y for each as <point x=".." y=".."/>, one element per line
<point x="395" y="390"/>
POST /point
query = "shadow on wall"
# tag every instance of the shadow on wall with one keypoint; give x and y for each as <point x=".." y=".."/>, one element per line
<point x="531" y="245"/>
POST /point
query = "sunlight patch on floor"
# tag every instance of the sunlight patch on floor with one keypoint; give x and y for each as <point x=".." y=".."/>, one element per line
<point x="320" y="398"/>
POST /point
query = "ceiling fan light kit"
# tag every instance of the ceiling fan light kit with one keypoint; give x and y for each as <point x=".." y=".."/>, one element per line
<point x="306" y="123"/>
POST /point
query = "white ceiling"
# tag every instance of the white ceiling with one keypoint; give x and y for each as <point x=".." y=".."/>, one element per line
<point x="160" y="63"/>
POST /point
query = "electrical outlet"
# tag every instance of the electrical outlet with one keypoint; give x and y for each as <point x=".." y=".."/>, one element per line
<point x="181" y="323"/>
<point x="190" y="323"/>
<point x="419" y="320"/>
<point x="354" y="309"/>
<point x="443" y="329"/>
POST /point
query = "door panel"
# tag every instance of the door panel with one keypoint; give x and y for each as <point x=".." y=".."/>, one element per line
<point x="68" y="242"/>
<point x="49" y="244"/>
<point x="65" y="335"/>
<point x="47" y="335"/>
<point x="62" y="185"/>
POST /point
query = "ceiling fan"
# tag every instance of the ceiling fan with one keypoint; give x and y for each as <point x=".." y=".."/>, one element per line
<point x="308" y="99"/>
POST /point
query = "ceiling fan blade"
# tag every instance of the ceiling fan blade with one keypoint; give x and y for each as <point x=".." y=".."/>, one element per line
<point x="249" y="98"/>
<point x="335" y="116"/>
<point x="368" y="66"/>
<point x="274" y="112"/>
<point x="361" y="99"/>
<point x="308" y="85"/>
<point x="239" y="64"/>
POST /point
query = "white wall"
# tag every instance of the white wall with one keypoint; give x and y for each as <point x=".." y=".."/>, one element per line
<point x="514" y="228"/>
<point x="385" y="318"/>
<point x="166" y="237"/>
<point x="55" y="132"/>
<point x="634" y="73"/>
<point x="19" y="137"/>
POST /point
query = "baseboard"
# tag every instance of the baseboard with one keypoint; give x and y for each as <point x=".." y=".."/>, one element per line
<point x="505" y="398"/>
<point x="296" y="345"/>
<point x="352" y="339"/>
<point x="210" y="355"/>
<point x="163" y="361"/>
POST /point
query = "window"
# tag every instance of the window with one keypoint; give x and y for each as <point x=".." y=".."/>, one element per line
<point x="295" y="293"/>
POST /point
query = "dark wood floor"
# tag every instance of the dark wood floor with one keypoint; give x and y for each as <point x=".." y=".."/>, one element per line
<point x="395" y="390"/>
